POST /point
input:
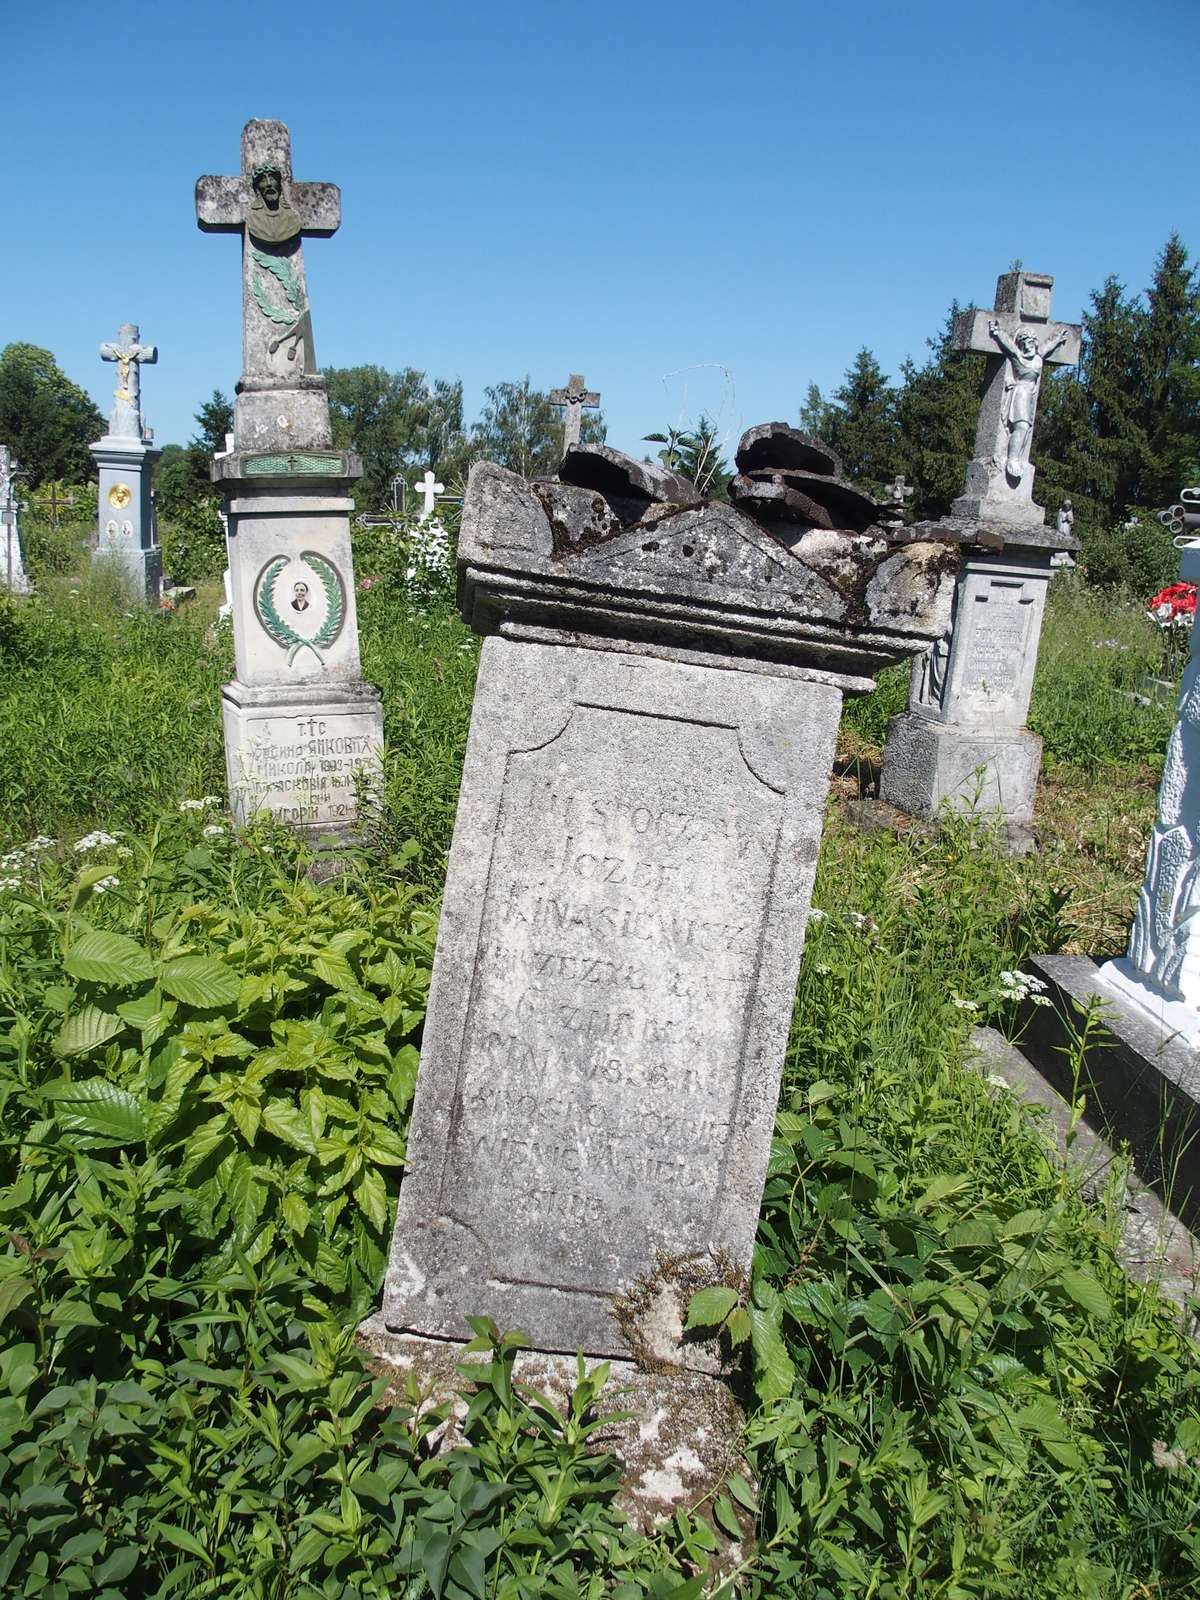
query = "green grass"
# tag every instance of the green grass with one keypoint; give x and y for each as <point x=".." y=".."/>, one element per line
<point x="953" y="1390"/>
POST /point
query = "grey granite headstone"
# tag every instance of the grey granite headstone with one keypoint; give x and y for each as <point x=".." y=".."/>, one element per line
<point x="127" y="532"/>
<point x="303" y="731"/>
<point x="650" y="750"/>
<point x="12" y="565"/>
<point x="963" y="740"/>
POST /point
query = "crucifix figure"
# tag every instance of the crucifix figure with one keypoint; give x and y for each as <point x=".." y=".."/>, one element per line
<point x="125" y="420"/>
<point x="574" y="399"/>
<point x="899" y="491"/>
<point x="274" y="215"/>
<point x="429" y="489"/>
<point x="1019" y="339"/>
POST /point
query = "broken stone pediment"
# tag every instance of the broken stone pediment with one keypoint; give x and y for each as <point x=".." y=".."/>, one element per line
<point x="559" y="554"/>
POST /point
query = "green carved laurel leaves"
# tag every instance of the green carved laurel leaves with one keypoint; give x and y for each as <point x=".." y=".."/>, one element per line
<point x="282" y="270"/>
<point x="281" y="631"/>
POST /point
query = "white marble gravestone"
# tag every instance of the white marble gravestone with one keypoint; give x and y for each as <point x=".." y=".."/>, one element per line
<point x="12" y="565"/>
<point x="126" y="533"/>
<point x="303" y="732"/>
<point x="963" y="739"/>
<point x="1160" y="973"/>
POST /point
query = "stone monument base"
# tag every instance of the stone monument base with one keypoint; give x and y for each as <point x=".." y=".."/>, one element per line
<point x="1141" y="1081"/>
<point x="301" y="752"/>
<point x="1175" y="1019"/>
<point x="927" y="763"/>
<point x="678" y="1449"/>
<point x="141" y="569"/>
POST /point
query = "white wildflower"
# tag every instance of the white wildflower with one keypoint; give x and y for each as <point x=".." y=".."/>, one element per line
<point x="105" y="884"/>
<point x="213" y="830"/>
<point x="963" y="1005"/>
<point x="94" y="841"/>
<point x="211" y="800"/>
<point x="816" y="915"/>
<point x="123" y="850"/>
<point x="997" y="1082"/>
<point x="42" y="842"/>
<point x="8" y="884"/>
<point x="192" y="805"/>
<point x="1168" y="1460"/>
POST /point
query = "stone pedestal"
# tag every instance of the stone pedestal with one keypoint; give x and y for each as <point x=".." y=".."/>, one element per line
<point x="303" y="731"/>
<point x="127" y="535"/>
<point x="962" y="740"/>
<point x="628" y="888"/>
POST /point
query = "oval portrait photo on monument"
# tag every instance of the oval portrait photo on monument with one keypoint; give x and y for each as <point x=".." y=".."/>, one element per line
<point x="300" y="603"/>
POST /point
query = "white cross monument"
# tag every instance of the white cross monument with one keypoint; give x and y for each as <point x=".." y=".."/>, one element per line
<point x="428" y="488"/>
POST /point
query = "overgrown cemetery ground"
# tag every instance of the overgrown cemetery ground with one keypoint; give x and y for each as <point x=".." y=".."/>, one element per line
<point x="207" y="1060"/>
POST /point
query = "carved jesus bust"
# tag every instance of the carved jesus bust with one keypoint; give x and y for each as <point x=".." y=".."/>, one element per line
<point x="268" y="218"/>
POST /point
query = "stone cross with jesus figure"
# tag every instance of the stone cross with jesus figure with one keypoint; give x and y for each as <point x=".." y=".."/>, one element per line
<point x="125" y="419"/>
<point x="1019" y="339"/>
<point x="273" y="214"/>
<point x="574" y="399"/>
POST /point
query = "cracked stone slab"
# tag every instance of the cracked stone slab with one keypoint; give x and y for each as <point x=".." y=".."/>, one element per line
<point x="774" y="445"/>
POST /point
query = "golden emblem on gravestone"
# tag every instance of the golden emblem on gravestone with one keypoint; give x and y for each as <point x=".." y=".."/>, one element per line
<point x="120" y="495"/>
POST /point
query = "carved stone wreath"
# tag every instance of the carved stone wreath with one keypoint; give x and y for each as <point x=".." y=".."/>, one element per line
<point x="282" y="632"/>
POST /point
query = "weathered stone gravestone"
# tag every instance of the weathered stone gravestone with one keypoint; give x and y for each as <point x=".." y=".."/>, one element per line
<point x="574" y="399"/>
<point x="126" y="534"/>
<point x="629" y="883"/>
<point x="12" y="566"/>
<point x="963" y="739"/>
<point x="302" y="729"/>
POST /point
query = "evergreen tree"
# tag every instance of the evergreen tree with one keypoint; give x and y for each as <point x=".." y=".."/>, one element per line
<point x="861" y="424"/>
<point x="1168" y="348"/>
<point x="45" y="419"/>
<point x="937" y="413"/>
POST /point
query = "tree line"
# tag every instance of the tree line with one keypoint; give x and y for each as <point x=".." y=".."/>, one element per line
<point x="1117" y="434"/>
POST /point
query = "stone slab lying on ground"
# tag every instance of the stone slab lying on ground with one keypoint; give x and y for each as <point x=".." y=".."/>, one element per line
<point x="1155" y="1246"/>
<point x="1142" y="1087"/>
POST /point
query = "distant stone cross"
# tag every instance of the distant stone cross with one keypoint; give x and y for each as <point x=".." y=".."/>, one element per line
<point x="574" y="399"/>
<point x="898" y="492"/>
<point x="273" y="214"/>
<point x="429" y="489"/>
<point x="125" y="421"/>
<point x="1019" y="338"/>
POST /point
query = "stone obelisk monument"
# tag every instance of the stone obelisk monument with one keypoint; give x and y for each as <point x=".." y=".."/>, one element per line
<point x="303" y="732"/>
<point x="126" y="535"/>
<point x="963" y="738"/>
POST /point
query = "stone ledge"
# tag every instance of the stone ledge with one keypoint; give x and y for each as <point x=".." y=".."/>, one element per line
<point x="1141" y="1087"/>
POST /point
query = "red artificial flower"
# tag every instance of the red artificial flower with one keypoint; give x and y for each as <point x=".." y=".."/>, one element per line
<point x="1174" y="604"/>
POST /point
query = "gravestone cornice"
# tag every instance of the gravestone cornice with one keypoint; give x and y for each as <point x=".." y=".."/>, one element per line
<point x="554" y="556"/>
<point x="986" y="535"/>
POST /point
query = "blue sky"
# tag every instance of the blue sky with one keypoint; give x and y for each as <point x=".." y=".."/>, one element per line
<point x="698" y="206"/>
